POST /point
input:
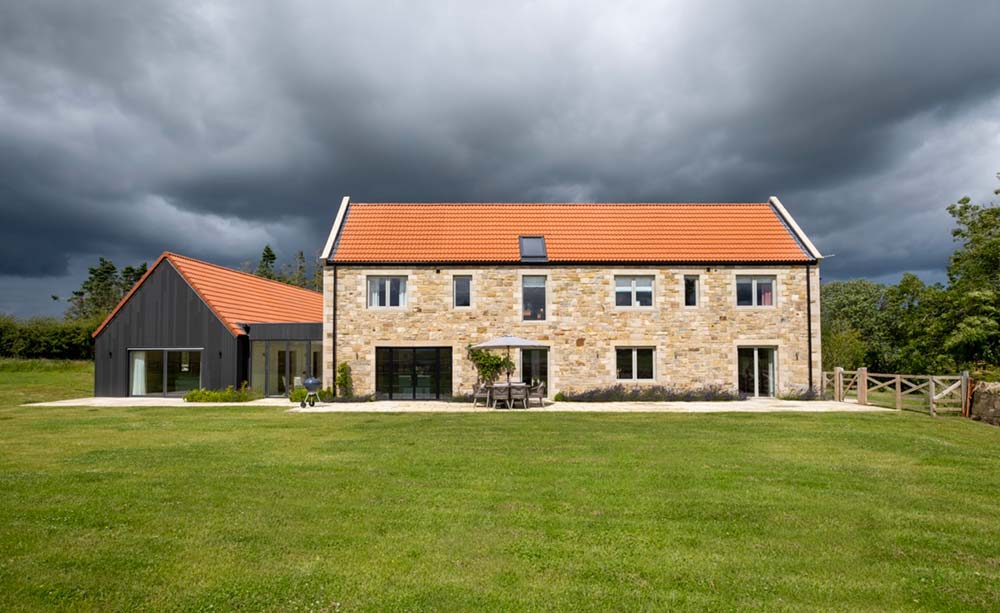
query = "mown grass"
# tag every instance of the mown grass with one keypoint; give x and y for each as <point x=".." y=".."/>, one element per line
<point x="23" y="381"/>
<point x="252" y="508"/>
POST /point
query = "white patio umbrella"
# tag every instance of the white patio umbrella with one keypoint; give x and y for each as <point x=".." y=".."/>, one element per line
<point x="508" y="342"/>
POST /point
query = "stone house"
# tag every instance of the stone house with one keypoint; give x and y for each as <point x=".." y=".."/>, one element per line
<point x="677" y="294"/>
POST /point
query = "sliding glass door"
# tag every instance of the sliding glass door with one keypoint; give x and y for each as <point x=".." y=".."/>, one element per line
<point x="756" y="370"/>
<point x="146" y="373"/>
<point x="412" y="373"/>
<point x="164" y="372"/>
<point x="535" y="366"/>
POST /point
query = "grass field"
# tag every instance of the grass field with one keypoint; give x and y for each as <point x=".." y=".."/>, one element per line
<point x="255" y="509"/>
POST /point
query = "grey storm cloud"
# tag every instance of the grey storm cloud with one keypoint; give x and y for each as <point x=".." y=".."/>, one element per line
<point x="128" y="128"/>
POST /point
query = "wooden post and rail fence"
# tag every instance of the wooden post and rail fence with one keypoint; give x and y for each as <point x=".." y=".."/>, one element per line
<point x="932" y="392"/>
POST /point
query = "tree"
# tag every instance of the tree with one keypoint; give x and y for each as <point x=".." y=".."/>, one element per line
<point x="858" y="306"/>
<point x="130" y="275"/>
<point x="265" y="268"/>
<point x="317" y="278"/>
<point x="298" y="273"/>
<point x="974" y="284"/>
<point x="973" y="324"/>
<point x="976" y="264"/>
<point x="102" y="290"/>
<point x="843" y="346"/>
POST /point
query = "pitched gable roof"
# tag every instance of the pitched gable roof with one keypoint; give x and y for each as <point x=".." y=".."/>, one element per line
<point x="236" y="297"/>
<point x="591" y="232"/>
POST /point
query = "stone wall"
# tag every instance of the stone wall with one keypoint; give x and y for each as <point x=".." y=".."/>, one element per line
<point x="695" y="346"/>
<point x="986" y="403"/>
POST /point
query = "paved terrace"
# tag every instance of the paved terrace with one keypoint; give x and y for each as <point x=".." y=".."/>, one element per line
<point x="757" y="405"/>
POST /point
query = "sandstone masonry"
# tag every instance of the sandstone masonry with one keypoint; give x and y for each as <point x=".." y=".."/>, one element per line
<point x="694" y="346"/>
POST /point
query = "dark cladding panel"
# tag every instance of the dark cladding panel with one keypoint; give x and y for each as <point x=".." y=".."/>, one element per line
<point x="312" y="331"/>
<point x="166" y="313"/>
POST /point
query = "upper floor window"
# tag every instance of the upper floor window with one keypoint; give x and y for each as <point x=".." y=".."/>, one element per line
<point x="462" y="290"/>
<point x="533" y="297"/>
<point x="757" y="290"/>
<point x="386" y="291"/>
<point x="631" y="290"/>
<point x="691" y="290"/>
<point x="634" y="363"/>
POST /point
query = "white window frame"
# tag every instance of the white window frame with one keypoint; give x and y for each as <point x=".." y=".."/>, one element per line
<point x="635" y="303"/>
<point x="635" y="362"/>
<point x="454" y="281"/>
<point x="697" y="290"/>
<point x="773" y="278"/>
<point x="404" y="294"/>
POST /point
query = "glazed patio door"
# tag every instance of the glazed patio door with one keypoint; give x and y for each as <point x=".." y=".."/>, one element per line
<point x="756" y="370"/>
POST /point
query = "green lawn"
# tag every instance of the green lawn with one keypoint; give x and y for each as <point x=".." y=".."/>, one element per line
<point x="252" y="508"/>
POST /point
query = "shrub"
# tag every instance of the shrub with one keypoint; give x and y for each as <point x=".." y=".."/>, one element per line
<point x="801" y="394"/>
<point x="297" y="395"/>
<point x="559" y="397"/>
<point x="230" y="394"/>
<point x="345" y="384"/>
<point x="46" y="337"/>
<point x="489" y="365"/>
<point x="327" y="394"/>
<point x="651" y="393"/>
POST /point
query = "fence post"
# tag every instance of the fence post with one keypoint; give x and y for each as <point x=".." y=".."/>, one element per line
<point x="863" y="385"/>
<point x="838" y="383"/>
<point x="965" y="394"/>
<point x="899" y="392"/>
<point x="931" y="394"/>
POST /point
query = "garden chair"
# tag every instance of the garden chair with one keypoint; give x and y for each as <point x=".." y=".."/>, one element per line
<point x="519" y="393"/>
<point x="481" y="391"/>
<point x="498" y="394"/>
<point x="537" y="392"/>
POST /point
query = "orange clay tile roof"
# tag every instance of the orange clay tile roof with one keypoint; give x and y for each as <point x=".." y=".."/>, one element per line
<point x="595" y="232"/>
<point x="237" y="297"/>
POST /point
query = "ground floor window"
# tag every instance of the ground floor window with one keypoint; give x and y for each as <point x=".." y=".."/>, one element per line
<point x="535" y="366"/>
<point x="277" y="367"/>
<point x="756" y="370"/>
<point x="412" y="373"/>
<point x="634" y="363"/>
<point x="160" y="372"/>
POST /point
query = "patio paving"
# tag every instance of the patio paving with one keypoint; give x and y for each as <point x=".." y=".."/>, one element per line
<point x="758" y="405"/>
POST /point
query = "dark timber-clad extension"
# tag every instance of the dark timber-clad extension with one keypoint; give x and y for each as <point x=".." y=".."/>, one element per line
<point x="189" y="324"/>
<point x="165" y="313"/>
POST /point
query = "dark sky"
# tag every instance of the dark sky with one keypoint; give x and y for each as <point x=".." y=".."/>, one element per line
<point x="130" y="128"/>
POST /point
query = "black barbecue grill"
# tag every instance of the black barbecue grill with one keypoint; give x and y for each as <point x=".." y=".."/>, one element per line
<point x="312" y="385"/>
